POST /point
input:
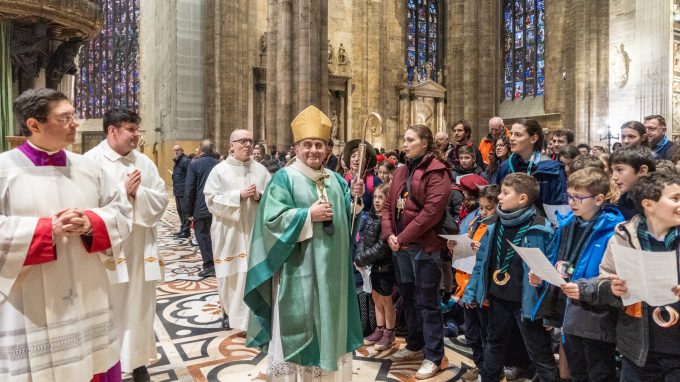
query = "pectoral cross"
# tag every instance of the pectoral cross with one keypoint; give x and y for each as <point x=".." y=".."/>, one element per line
<point x="321" y="187"/>
<point x="71" y="296"/>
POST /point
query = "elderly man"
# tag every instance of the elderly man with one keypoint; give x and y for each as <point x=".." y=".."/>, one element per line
<point x="197" y="210"/>
<point x="496" y="131"/>
<point x="232" y="194"/>
<point x="60" y="215"/>
<point x="656" y="132"/>
<point x="300" y="284"/>
<point x="179" y="175"/>
<point x="441" y="142"/>
<point x="134" y="302"/>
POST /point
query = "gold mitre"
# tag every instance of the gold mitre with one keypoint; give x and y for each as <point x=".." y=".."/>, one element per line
<point x="311" y="123"/>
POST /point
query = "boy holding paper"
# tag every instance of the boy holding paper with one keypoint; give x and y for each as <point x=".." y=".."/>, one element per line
<point x="589" y="338"/>
<point x="648" y="337"/>
<point x="500" y="277"/>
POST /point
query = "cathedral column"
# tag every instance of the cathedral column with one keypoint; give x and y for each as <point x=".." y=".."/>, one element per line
<point x="231" y="41"/>
<point x="297" y="72"/>
<point x="653" y="93"/>
<point x="472" y="66"/>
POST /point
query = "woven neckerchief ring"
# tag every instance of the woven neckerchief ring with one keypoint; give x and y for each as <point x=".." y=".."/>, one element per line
<point x="533" y="161"/>
<point x="507" y="259"/>
<point x="669" y="241"/>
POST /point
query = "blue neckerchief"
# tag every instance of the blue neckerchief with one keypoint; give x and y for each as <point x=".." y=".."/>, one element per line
<point x="533" y="161"/>
<point x="660" y="146"/>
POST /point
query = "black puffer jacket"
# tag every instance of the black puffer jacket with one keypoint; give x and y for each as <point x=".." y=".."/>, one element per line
<point x="371" y="250"/>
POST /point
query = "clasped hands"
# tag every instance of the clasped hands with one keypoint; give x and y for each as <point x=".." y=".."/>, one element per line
<point x="132" y="182"/>
<point x="70" y="222"/>
<point x="250" y="192"/>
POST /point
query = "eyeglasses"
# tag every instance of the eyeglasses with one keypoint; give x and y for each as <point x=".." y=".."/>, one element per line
<point x="501" y="145"/>
<point x="243" y="141"/>
<point x="580" y="199"/>
<point x="66" y="119"/>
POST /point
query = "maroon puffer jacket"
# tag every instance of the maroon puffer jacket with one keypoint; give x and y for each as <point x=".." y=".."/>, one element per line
<point x="430" y="186"/>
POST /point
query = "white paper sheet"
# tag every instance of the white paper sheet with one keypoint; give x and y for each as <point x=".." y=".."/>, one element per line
<point x="366" y="278"/>
<point x="551" y="209"/>
<point x="463" y="257"/>
<point x="649" y="276"/>
<point x="539" y="264"/>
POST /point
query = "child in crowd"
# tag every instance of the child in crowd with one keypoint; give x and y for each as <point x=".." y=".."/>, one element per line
<point x="376" y="253"/>
<point x="567" y="155"/>
<point x="386" y="170"/>
<point x="467" y="162"/>
<point x="475" y="315"/>
<point x="648" y="337"/>
<point x="511" y="299"/>
<point x="628" y="165"/>
<point x="589" y="335"/>
<point x="583" y="161"/>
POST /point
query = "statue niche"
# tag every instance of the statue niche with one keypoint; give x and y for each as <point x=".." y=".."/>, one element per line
<point x="29" y="52"/>
<point x="62" y="61"/>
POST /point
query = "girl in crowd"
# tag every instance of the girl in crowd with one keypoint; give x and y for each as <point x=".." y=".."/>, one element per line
<point x="634" y="133"/>
<point x="374" y="251"/>
<point x="526" y="140"/>
<point x="386" y="170"/>
<point x="416" y="201"/>
<point x="500" y="153"/>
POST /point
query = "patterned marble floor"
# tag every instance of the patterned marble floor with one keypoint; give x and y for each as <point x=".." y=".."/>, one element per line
<point x="192" y="346"/>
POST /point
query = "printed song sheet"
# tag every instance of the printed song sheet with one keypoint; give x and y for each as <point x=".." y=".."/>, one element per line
<point x="649" y="276"/>
<point x="463" y="257"/>
<point x="539" y="264"/>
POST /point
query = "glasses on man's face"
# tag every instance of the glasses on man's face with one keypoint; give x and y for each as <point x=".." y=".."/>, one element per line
<point x="578" y="199"/>
<point x="66" y="119"/>
<point x="243" y="141"/>
<point x="501" y="145"/>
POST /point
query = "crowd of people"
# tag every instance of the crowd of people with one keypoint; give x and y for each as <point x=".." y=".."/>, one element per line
<point x="296" y="239"/>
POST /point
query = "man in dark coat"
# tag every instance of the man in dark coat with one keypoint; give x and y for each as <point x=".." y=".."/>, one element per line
<point x="197" y="211"/>
<point x="179" y="175"/>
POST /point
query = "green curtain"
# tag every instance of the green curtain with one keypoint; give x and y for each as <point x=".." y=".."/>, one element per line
<point x="6" y="118"/>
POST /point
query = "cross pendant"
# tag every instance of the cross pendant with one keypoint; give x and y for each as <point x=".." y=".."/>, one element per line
<point x="71" y="296"/>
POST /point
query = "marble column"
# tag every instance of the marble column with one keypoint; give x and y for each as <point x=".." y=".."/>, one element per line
<point x="297" y="68"/>
<point x="653" y="31"/>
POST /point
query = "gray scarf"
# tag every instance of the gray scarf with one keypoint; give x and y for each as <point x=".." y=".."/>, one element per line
<point x="510" y="219"/>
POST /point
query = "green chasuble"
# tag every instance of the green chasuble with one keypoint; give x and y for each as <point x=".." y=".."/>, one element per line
<point x="318" y="307"/>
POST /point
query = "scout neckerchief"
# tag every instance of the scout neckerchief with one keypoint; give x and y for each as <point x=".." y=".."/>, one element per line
<point x="524" y="217"/>
<point x="533" y="161"/>
<point x="669" y="243"/>
<point x="571" y="248"/>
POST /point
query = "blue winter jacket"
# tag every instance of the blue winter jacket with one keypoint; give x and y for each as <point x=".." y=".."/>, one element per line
<point x="540" y="235"/>
<point x="550" y="176"/>
<point x="579" y="318"/>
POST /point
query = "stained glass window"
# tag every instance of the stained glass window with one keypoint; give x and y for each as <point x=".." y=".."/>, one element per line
<point x="423" y="40"/>
<point x="109" y="74"/>
<point x="523" y="48"/>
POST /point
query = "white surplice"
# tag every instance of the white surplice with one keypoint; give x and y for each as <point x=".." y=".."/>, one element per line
<point x="231" y="229"/>
<point x="134" y="302"/>
<point x="56" y="322"/>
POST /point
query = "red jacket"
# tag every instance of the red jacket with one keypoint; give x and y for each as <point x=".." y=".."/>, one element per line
<point x="430" y="187"/>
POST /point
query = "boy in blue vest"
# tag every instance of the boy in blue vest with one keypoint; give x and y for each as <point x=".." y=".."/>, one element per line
<point x="589" y="336"/>
<point x="502" y="276"/>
